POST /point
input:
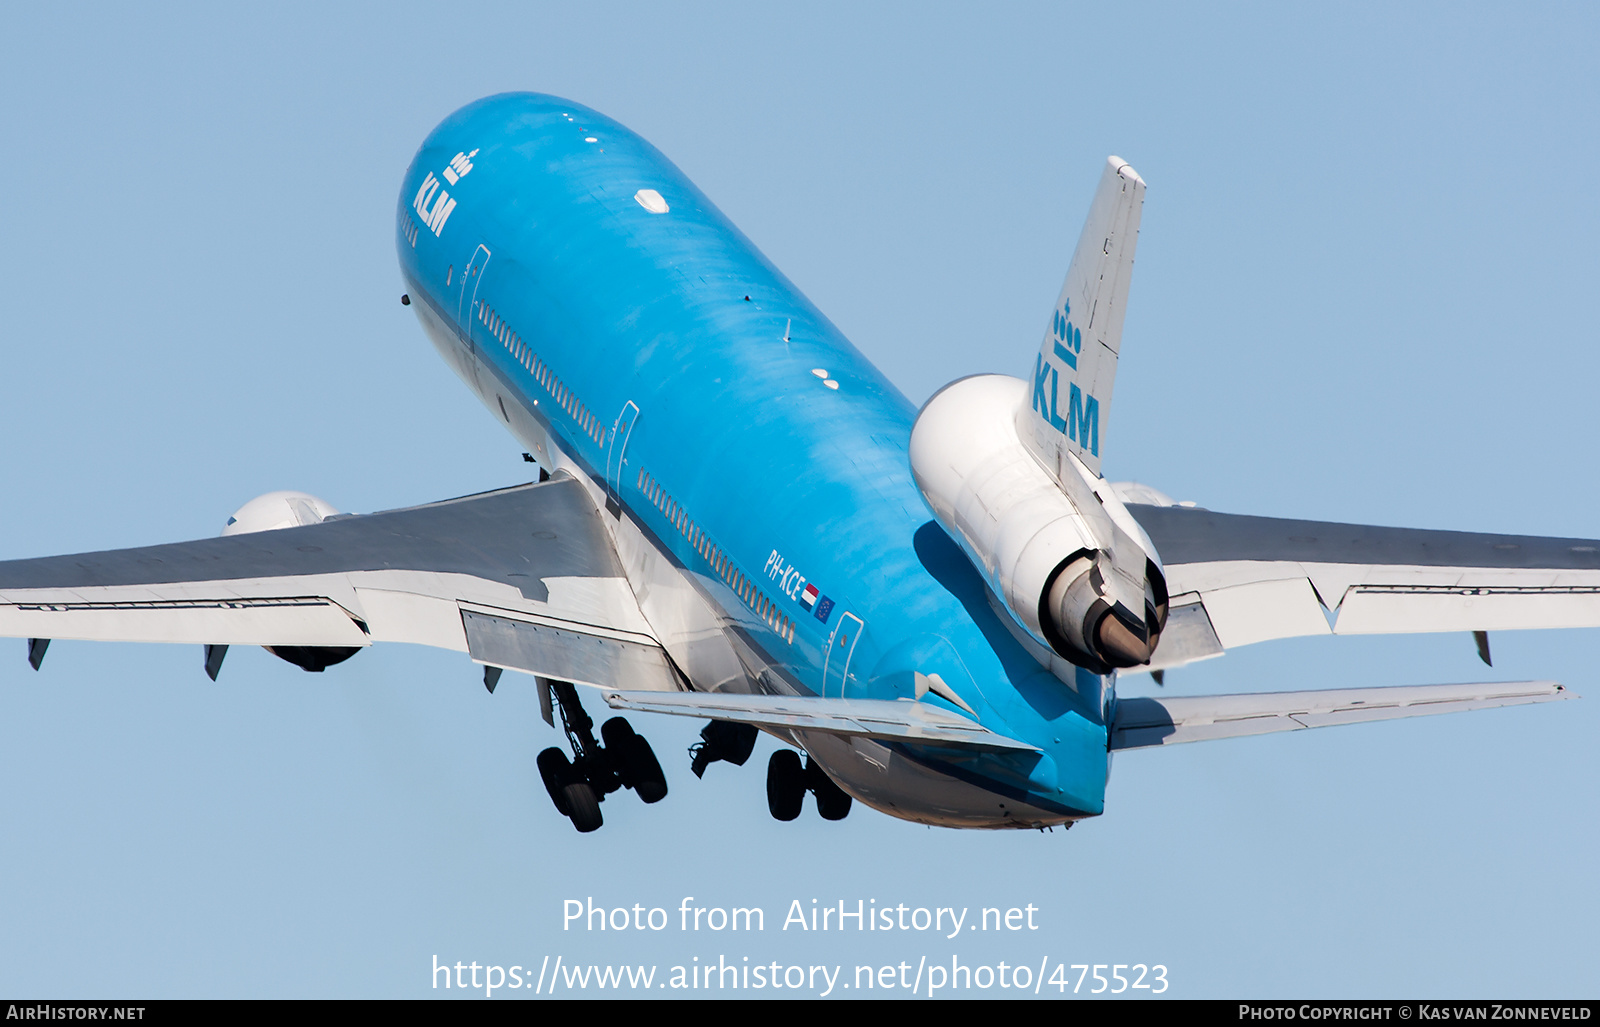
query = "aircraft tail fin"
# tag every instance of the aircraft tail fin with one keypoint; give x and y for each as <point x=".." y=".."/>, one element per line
<point x="1077" y="362"/>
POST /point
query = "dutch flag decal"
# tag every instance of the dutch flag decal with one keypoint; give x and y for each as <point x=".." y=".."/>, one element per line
<point x="808" y="598"/>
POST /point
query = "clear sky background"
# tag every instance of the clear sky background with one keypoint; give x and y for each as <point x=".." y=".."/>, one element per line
<point x="1365" y="291"/>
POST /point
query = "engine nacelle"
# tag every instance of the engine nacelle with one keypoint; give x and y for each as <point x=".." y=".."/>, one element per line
<point x="1072" y="567"/>
<point x="276" y="510"/>
<point x="1085" y="622"/>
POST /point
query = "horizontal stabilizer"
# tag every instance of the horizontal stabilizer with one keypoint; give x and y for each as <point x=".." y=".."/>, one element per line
<point x="1145" y="722"/>
<point x="899" y="720"/>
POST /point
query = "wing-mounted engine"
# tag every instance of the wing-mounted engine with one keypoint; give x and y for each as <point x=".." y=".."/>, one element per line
<point x="1066" y="558"/>
<point x="278" y="510"/>
<point x="270" y="512"/>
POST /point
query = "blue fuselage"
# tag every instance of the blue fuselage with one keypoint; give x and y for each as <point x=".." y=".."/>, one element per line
<point x="624" y="329"/>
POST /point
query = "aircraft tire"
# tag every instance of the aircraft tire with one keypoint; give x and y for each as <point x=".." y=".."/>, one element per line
<point x="584" y="806"/>
<point x="649" y="783"/>
<point x="618" y="736"/>
<point x="556" y="772"/>
<point x="786" y="784"/>
<point x="833" y="802"/>
<point x="616" y="732"/>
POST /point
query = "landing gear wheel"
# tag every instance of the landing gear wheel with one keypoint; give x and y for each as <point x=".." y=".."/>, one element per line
<point x="635" y="761"/>
<point x="833" y="802"/>
<point x="583" y="806"/>
<point x="786" y="784"/>
<point x="620" y="740"/>
<point x="556" y="773"/>
<point x="616" y="732"/>
<point x="649" y="783"/>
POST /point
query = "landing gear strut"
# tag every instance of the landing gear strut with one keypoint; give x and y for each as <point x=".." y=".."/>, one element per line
<point x="788" y="781"/>
<point x="578" y="786"/>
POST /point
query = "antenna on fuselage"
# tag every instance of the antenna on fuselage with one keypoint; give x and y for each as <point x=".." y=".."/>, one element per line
<point x="786" y="326"/>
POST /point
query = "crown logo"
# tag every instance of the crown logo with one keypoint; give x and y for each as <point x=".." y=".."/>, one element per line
<point x="1067" y="341"/>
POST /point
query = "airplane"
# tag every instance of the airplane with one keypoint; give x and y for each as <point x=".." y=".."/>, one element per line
<point x="737" y="518"/>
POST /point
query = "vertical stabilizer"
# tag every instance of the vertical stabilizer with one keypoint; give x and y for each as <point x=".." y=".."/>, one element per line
<point x="1073" y="373"/>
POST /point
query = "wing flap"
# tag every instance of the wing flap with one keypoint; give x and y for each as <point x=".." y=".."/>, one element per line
<point x="1465" y="606"/>
<point x="1187" y="637"/>
<point x="897" y="720"/>
<point x="1144" y="722"/>
<point x="568" y="654"/>
<point x="1258" y="610"/>
<point x="398" y="616"/>
<point x="279" y="620"/>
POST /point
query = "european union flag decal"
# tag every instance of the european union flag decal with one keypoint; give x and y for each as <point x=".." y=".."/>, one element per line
<point x="824" y="608"/>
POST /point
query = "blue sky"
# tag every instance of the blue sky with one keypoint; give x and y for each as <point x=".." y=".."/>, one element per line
<point x="1363" y="292"/>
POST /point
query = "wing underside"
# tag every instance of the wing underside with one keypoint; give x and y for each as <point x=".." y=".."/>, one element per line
<point x="524" y="578"/>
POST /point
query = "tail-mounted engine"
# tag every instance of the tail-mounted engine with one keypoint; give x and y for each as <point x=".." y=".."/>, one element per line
<point x="1084" y="621"/>
<point x="1056" y="545"/>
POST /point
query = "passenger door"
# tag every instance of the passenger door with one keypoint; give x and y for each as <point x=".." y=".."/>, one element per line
<point x="615" y="454"/>
<point x="467" y="308"/>
<point x="841" y="646"/>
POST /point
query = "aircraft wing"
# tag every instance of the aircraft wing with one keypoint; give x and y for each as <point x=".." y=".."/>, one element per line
<point x="1143" y="722"/>
<point x="1236" y="579"/>
<point x="524" y="577"/>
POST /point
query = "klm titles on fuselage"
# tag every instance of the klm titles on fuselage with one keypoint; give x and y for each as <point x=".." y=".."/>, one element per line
<point x="433" y="204"/>
<point x="1082" y="423"/>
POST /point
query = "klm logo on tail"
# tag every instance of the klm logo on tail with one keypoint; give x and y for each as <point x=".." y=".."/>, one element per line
<point x="1082" y="423"/>
<point x="1068" y="341"/>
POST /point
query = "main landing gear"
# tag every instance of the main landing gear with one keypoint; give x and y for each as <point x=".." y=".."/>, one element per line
<point x="625" y="760"/>
<point x="788" y="781"/>
<point x="722" y="740"/>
